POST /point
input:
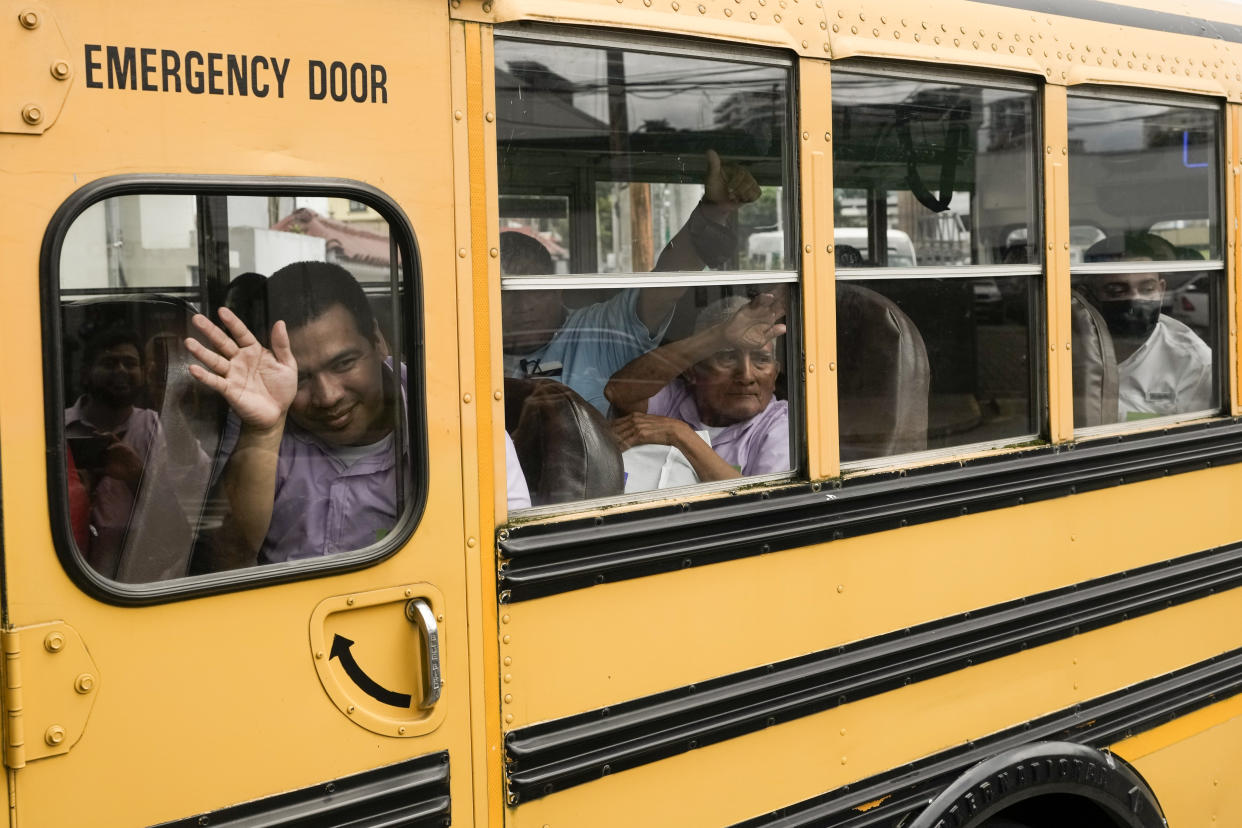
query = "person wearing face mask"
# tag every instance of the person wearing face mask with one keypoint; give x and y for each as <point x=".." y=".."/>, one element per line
<point x="1163" y="366"/>
<point x="721" y="380"/>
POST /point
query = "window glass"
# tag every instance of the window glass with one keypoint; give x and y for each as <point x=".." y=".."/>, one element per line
<point x="930" y="173"/>
<point x="938" y="282"/>
<point x="201" y="436"/>
<point x="634" y="188"/>
<point x="1148" y="288"/>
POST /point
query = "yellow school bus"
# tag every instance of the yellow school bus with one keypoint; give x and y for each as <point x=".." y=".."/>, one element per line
<point x="621" y="412"/>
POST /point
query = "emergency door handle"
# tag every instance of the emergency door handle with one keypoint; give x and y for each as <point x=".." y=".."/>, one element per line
<point x="419" y="612"/>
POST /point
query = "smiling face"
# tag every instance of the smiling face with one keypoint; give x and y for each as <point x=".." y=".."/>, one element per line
<point x="340" y="397"/>
<point x="731" y="386"/>
<point x="115" y="375"/>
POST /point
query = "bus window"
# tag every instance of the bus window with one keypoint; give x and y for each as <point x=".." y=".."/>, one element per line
<point x="199" y="435"/>
<point x="935" y="189"/>
<point x="1146" y="173"/>
<point x="638" y="188"/>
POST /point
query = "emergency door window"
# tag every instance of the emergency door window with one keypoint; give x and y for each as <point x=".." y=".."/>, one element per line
<point x="646" y="256"/>
<point x="233" y="394"/>
<point x="935" y="230"/>
<point x="1149" y="290"/>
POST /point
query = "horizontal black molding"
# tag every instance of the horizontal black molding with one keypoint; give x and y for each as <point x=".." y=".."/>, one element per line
<point x="1122" y="14"/>
<point x="1099" y="723"/>
<point x="554" y="755"/>
<point x="547" y="558"/>
<point x="411" y="794"/>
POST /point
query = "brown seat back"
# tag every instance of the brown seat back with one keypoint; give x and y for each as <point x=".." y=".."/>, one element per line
<point x="1094" y="361"/>
<point x="564" y="445"/>
<point x="883" y="379"/>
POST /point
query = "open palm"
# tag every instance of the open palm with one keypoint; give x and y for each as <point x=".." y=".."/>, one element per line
<point x="258" y="383"/>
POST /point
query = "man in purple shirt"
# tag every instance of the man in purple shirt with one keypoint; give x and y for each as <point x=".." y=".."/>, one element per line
<point x="314" y="468"/>
<point x="720" y="380"/>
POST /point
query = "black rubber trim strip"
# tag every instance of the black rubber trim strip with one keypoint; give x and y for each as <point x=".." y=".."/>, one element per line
<point x="413" y="342"/>
<point x="551" y="756"/>
<point x="1123" y="15"/>
<point x="412" y="794"/>
<point x="1099" y="723"/>
<point x="547" y="558"/>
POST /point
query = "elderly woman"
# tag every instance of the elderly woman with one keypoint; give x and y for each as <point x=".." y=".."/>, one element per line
<point x="719" y="380"/>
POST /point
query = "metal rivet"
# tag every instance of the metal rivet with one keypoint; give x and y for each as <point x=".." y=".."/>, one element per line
<point x="350" y="709"/>
<point x="32" y="114"/>
<point x="508" y="698"/>
<point x="806" y="136"/>
<point x="461" y="252"/>
<point x="487" y="7"/>
<point x="489" y="117"/>
<point x="319" y="655"/>
<point x="85" y="683"/>
<point x="54" y="735"/>
<point x="507" y="639"/>
<point x="29" y="18"/>
<point x="54" y="642"/>
<point x="508" y="677"/>
<point x="808" y="248"/>
<point x="401" y="731"/>
<point x="506" y="618"/>
<point x="471" y="541"/>
<point x="349" y="601"/>
<point x="832" y="366"/>
<point x="508" y="718"/>
<point x="841" y="588"/>
<point x="497" y="395"/>
<point x="457" y="114"/>
<point x="508" y="660"/>
<point x="466" y="398"/>
<point x="60" y="70"/>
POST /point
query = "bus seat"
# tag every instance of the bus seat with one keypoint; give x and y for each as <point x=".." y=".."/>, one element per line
<point x="884" y="378"/>
<point x="1094" y="362"/>
<point x="564" y="445"/>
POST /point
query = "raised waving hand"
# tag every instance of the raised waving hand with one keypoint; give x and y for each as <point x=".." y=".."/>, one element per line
<point x="259" y="384"/>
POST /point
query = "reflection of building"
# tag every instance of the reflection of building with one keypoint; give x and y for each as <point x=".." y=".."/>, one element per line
<point x="364" y="253"/>
<point x="357" y="214"/>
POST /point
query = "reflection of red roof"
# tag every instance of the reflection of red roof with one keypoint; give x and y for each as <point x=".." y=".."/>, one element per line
<point x="348" y="242"/>
<point x="558" y="251"/>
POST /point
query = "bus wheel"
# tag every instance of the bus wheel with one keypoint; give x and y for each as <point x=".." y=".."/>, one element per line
<point x="1045" y="784"/>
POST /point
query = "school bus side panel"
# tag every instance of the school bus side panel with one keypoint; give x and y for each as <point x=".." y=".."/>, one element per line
<point x="208" y="702"/>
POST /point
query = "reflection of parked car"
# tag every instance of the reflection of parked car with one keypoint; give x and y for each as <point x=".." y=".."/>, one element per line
<point x="1191" y="303"/>
<point x="987" y="300"/>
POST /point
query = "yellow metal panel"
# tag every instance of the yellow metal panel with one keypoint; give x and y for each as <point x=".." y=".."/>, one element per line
<point x="1057" y="263"/>
<point x="624" y="640"/>
<point x="1233" y="257"/>
<point x="1061" y="49"/>
<point x="479" y="301"/>
<point x="821" y="752"/>
<point x="38" y="70"/>
<point x="818" y="270"/>
<point x="224" y="687"/>
<point x="1195" y="771"/>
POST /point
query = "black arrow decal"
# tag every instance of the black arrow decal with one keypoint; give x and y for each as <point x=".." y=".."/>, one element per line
<point x="340" y="649"/>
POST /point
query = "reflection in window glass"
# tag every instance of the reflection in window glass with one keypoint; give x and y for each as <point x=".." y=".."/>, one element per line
<point x="1143" y="175"/>
<point x="615" y="160"/>
<point x="937" y="176"/>
<point x="176" y="463"/>
<point x="929" y="173"/>
<point x="1146" y="167"/>
<point x="629" y="137"/>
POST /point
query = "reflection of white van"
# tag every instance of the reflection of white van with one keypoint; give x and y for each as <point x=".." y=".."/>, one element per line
<point x="900" y="248"/>
<point x="766" y="249"/>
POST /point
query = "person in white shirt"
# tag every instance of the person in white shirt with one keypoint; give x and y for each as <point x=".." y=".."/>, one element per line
<point x="1164" y="367"/>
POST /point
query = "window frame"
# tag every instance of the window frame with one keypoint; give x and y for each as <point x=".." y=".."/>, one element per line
<point x="1218" y="234"/>
<point x="409" y="347"/>
<point x="680" y="46"/>
<point x="1036" y="274"/>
